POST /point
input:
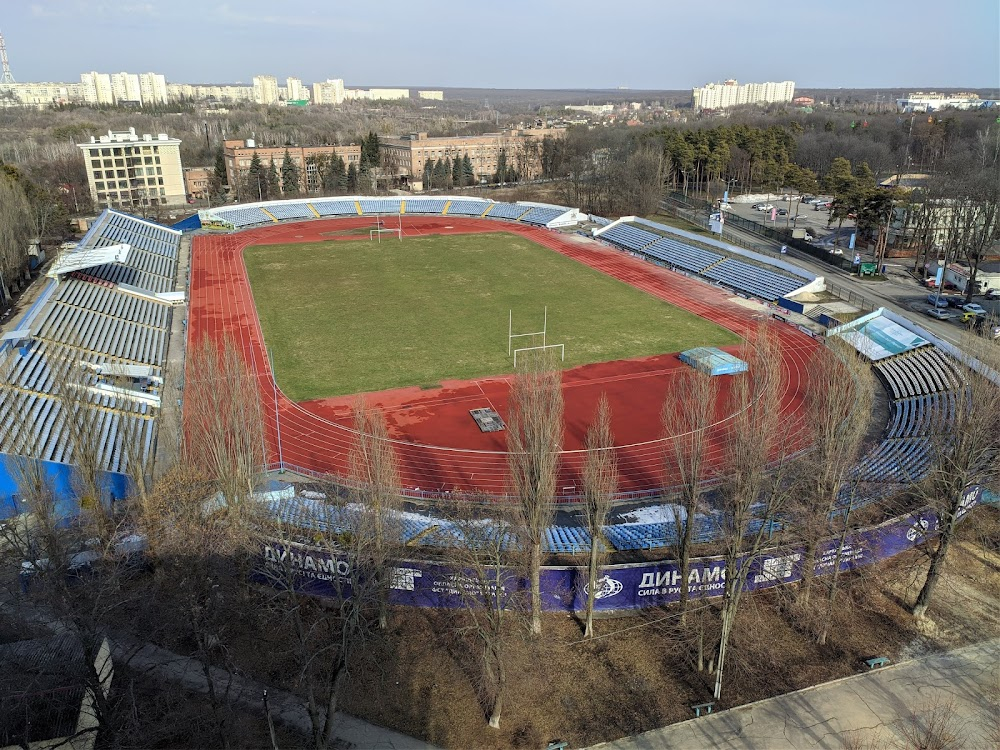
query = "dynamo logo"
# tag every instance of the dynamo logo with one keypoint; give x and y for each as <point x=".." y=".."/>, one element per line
<point x="606" y="587"/>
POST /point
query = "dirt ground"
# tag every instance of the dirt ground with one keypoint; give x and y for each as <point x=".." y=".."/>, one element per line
<point x="641" y="673"/>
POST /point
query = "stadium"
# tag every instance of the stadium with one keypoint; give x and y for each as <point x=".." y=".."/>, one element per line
<point x="111" y="308"/>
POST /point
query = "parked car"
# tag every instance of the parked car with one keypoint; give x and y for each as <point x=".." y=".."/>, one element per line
<point x="807" y="199"/>
<point x="765" y="207"/>
<point x="955" y="301"/>
<point x="937" y="301"/>
<point x="975" y="309"/>
<point x="782" y="212"/>
<point x="821" y="206"/>
<point x="992" y="294"/>
<point x="939" y="314"/>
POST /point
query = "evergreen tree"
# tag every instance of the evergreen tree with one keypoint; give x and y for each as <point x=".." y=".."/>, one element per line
<point x="446" y="170"/>
<point x="218" y="181"/>
<point x="334" y="176"/>
<point x="220" y="167"/>
<point x="290" y="184"/>
<point x="340" y="170"/>
<point x="468" y="172"/>
<point x="352" y="178"/>
<point x="369" y="151"/>
<point x="457" y="174"/>
<point x="272" y="182"/>
<point x="256" y="186"/>
<point x="428" y="174"/>
<point x="439" y="174"/>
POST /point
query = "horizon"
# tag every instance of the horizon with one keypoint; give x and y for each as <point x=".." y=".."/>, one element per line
<point x="257" y="41"/>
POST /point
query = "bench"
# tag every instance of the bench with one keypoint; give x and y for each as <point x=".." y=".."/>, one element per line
<point x="878" y="661"/>
<point x="699" y="707"/>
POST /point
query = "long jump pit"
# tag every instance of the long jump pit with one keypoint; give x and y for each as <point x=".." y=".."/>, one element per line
<point x="440" y="448"/>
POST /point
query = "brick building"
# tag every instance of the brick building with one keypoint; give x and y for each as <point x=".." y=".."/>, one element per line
<point x="239" y="153"/>
<point x="404" y="157"/>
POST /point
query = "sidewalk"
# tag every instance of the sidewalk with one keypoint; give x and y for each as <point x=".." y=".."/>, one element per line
<point x="873" y="707"/>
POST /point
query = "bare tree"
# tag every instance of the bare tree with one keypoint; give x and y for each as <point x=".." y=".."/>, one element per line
<point x="15" y="231"/>
<point x="600" y="484"/>
<point x="964" y="448"/>
<point x="223" y="425"/>
<point x="755" y="489"/>
<point x="487" y="568"/>
<point x="688" y="413"/>
<point x="375" y="477"/>
<point x="838" y="406"/>
<point x="534" y="439"/>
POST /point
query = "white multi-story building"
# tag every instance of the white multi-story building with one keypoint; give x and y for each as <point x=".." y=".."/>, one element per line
<point x="329" y="92"/>
<point x="731" y="94"/>
<point x="435" y="95"/>
<point x="126" y="170"/>
<point x="295" y="91"/>
<point x="97" y="88"/>
<point x="153" y="88"/>
<point x="930" y="101"/>
<point x="40" y="95"/>
<point x="265" y="89"/>
<point x="377" y="94"/>
<point x="125" y="87"/>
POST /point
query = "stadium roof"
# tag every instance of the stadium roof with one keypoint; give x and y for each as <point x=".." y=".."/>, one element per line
<point x="89" y="258"/>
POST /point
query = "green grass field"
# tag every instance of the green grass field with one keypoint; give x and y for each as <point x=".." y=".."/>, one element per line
<point x="349" y="316"/>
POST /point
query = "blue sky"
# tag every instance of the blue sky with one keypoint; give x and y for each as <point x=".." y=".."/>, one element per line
<point x="669" y="44"/>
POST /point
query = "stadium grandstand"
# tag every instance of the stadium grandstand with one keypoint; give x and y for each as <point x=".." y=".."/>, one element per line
<point x="270" y="212"/>
<point x="85" y="362"/>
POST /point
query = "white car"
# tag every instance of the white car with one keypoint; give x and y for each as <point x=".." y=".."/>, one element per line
<point x="974" y="309"/>
<point x="764" y="207"/>
<point x="725" y="207"/>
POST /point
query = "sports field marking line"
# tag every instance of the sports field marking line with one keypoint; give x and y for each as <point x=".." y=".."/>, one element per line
<point x="249" y="335"/>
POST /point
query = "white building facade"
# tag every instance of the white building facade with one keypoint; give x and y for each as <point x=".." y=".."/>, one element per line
<point x="732" y="94"/>
<point x="265" y="89"/>
<point x="134" y="172"/>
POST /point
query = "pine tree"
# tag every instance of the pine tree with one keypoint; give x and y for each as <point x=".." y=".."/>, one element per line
<point x="273" y="181"/>
<point x="456" y="173"/>
<point x="446" y="170"/>
<point x="289" y="175"/>
<point x="256" y="181"/>
<point x="428" y="174"/>
<point x="352" y="178"/>
<point x="439" y="173"/>
<point x="220" y="167"/>
<point x="369" y="151"/>
<point x="467" y="170"/>
<point x="340" y="170"/>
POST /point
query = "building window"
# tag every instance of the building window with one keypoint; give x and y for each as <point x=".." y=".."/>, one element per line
<point x="96" y="163"/>
<point x="156" y="149"/>
<point x="99" y="185"/>
<point x="97" y="174"/>
<point x="109" y="174"/>
<point x="121" y="173"/>
<point x="105" y="152"/>
<point x="118" y="152"/>
<point x="108" y="163"/>
<point x="119" y="162"/>
<point x="159" y="170"/>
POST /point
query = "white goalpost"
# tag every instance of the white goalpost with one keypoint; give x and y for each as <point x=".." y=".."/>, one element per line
<point x="379" y="229"/>
<point x="543" y="333"/>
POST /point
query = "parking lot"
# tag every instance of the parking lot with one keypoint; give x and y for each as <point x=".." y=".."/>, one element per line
<point x="799" y="216"/>
<point x="952" y="315"/>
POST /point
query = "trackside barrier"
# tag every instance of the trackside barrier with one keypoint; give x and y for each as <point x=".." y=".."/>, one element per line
<point x="318" y="572"/>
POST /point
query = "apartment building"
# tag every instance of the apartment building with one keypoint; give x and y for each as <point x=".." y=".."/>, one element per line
<point x="96" y="88"/>
<point x="152" y="88"/>
<point x="265" y="89"/>
<point x="295" y="91"/>
<point x="239" y="153"/>
<point x="376" y="94"/>
<point x="125" y="88"/>
<point x="330" y="91"/>
<point x="431" y="94"/>
<point x="732" y="94"/>
<point x="130" y="171"/>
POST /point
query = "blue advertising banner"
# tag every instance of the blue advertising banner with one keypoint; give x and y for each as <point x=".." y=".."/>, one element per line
<point x="319" y="572"/>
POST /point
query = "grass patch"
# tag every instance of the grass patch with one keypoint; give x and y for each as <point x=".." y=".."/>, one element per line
<point x="344" y="317"/>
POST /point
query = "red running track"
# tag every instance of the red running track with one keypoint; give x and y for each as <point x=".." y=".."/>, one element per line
<point x="438" y="445"/>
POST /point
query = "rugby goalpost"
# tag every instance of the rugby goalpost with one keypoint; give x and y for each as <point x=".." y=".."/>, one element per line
<point x="379" y="229"/>
<point x="543" y="333"/>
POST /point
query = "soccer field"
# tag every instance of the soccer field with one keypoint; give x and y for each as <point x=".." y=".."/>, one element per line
<point x="350" y="316"/>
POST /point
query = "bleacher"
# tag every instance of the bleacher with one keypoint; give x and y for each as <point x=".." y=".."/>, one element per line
<point x="542" y="216"/>
<point x="83" y="323"/>
<point x="429" y="206"/>
<point x="679" y="255"/>
<point x="746" y="277"/>
<point x="917" y="372"/>
<point x="290" y="210"/>
<point x="380" y="205"/>
<point x="243" y="216"/>
<point x="506" y="211"/>
<point x="465" y="208"/>
<point x="916" y="416"/>
<point x="335" y="208"/>
<point x="629" y="237"/>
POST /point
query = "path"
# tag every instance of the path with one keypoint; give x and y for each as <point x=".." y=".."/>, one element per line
<point x="875" y="707"/>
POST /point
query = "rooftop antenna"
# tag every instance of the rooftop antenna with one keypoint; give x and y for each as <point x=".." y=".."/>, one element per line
<point x="8" y="77"/>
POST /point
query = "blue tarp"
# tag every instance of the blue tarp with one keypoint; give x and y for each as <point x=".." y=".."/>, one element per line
<point x="712" y="361"/>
